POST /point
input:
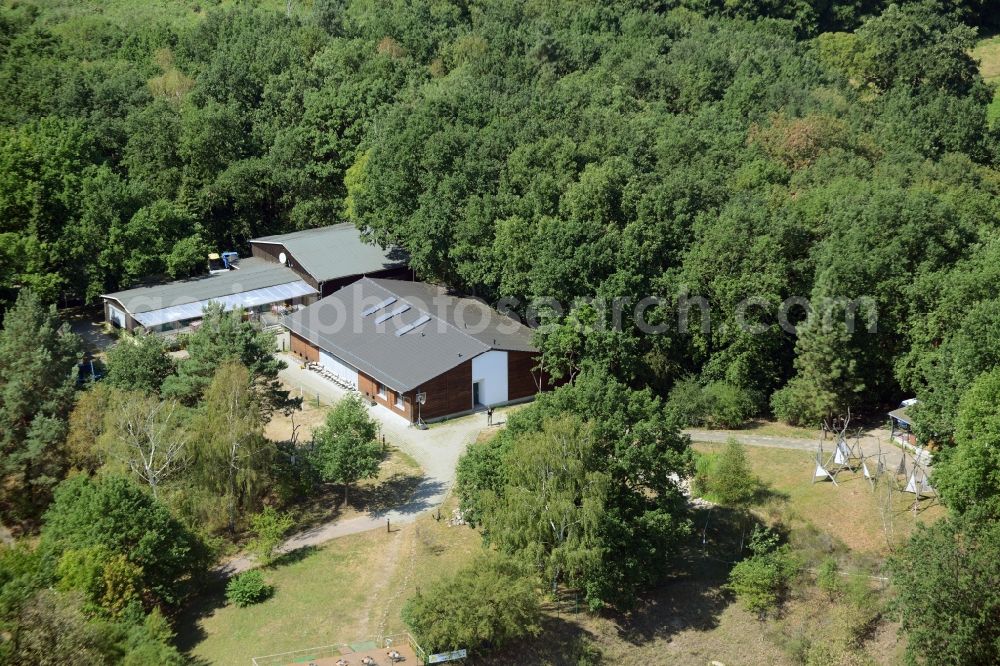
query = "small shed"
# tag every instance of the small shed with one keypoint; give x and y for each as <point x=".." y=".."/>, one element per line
<point x="902" y="423"/>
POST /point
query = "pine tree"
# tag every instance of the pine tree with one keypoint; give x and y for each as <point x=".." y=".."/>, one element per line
<point x="38" y="357"/>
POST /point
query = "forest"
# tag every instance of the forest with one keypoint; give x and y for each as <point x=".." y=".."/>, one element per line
<point x="577" y="153"/>
<point x="541" y="150"/>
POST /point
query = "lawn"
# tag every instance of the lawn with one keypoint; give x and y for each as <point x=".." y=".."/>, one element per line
<point x="347" y="590"/>
<point x="849" y="512"/>
<point x="354" y="588"/>
<point x="987" y="52"/>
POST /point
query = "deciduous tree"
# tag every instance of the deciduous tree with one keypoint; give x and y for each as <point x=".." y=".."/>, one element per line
<point x="345" y="450"/>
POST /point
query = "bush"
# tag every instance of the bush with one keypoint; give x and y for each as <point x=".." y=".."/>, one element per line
<point x="761" y="580"/>
<point x="794" y="404"/>
<point x="726" y="477"/>
<point x="488" y="603"/>
<point x="269" y="528"/>
<point x="727" y="405"/>
<point x="828" y="578"/>
<point x="717" y="405"/>
<point x="247" y="589"/>
<point x="686" y="402"/>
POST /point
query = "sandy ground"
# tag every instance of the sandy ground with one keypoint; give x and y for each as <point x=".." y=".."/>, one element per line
<point x="435" y="449"/>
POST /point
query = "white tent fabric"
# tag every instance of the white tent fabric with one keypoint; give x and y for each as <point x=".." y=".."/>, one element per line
<point x="918" y="485"/>
<point x="843" y="455"/>
<point x="246" y="299"/>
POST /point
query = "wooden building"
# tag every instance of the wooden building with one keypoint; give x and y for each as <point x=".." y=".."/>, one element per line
<point x="417" y="350"/>
<point x="331" y="257"/>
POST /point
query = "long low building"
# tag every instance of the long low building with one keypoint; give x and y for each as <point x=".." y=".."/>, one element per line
<point x="256" y="285"/>
<point x="285" y="271"/>
<point x="417" y="350"/>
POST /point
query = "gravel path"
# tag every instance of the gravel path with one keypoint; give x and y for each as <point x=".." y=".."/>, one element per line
<point x="436" y="450"/>
<point x="872" y="442"/>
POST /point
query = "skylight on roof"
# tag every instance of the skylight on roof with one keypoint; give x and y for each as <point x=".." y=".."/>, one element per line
<point x="412" y="325"/>
<point x="392" y="313"/>
<point x="378" y="306"/>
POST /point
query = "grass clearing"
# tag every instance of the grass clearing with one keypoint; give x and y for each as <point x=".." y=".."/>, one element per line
<point x="848" y="512"/>
<point x="344" y="591"/>
<point x="355" y="587"/>
<point x="987" y="52"/>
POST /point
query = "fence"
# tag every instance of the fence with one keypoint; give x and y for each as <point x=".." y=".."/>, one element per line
<point x="337" y="649"/>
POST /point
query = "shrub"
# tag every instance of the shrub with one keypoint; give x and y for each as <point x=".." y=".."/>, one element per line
<point x="828" y="578"/>
<point x="794" y="404"/>
<point x="726" y="477"/>
<point x="488" y="603"/>
<point x="686" y="402"/>
<point x="247" y="589"/>
<point x="269" y="529"/>
<point x="726" y="405"/>
<point x="761" y="580"/>
<point x="717" y="405"/>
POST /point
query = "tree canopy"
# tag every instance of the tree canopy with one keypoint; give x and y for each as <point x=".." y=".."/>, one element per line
<point x="38" y="357"/>
<point x="585" y="152"/>
<point x="583" y="484"/>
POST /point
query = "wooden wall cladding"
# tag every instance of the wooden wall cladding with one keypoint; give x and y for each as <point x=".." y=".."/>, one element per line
<point x="302" y="347"/>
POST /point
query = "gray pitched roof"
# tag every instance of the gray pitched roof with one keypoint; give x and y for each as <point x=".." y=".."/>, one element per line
<point x="252" y="274"/>
<point x="404" y="334"/>
<point x="336" y="251"/>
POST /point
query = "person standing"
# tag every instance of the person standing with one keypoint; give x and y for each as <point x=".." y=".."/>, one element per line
<point x="489" y="416"/>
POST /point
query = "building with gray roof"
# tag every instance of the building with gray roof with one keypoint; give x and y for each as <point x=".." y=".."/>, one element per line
<point x="330" y="257"/>
<point x="285" y="271"/>
<point x="416" y="349"/>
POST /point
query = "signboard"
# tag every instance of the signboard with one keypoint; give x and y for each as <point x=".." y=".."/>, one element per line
<point x="446" y="656"/>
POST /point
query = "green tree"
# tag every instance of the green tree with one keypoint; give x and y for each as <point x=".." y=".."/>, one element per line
<point x="231" y="456"/>
<point x="761" y="580"/>
<point x="344" y="448"/>
<point x="269" y="529"/>
<point x="187" y="257"/>
<point x="829" y="380"/>
<point x="139" y="363"/>
<point x="226" y="336"/>
<point x="732" y="482"/>
<point x="966" y="474"/>
<point x="114" y="514"/>
<point x="634" y="452"/>
<point x="948" y="613"/>
<point x="550" y="510"/>
<point x="486" y="604"/>
<point x="38" y="357"/>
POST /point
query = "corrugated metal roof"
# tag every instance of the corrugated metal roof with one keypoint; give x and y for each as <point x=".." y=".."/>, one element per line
<point x="244" y="299"/>
<point x="336" y="251"/>
<point x="251" y="275"/>
<point x="438" y="331"/>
